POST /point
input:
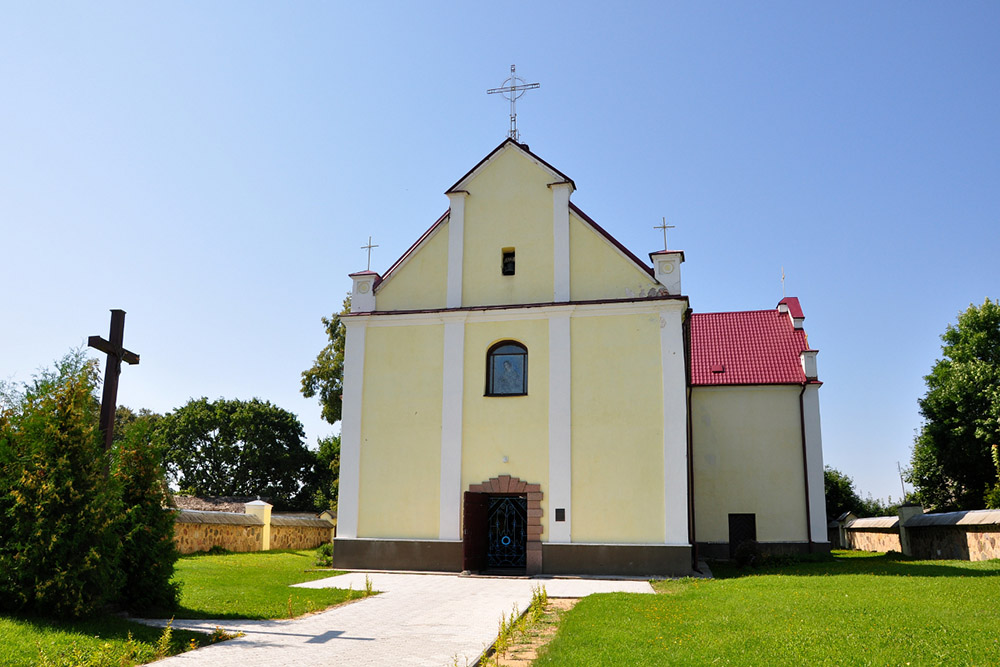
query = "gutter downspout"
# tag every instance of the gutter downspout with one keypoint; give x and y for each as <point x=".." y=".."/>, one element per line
<point x="805" y="464"/>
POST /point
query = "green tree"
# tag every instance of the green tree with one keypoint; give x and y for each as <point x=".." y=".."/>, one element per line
<point x="840" y="493"/>
<point x="326" y="376"/>
<point x="327" y="474"/>
<point x="237" y="448"/>
<point x="951" y="465"/>
<point x="60" y="552"/>
<point x="145" y="526"/>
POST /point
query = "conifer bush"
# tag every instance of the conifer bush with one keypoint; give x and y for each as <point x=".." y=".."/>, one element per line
<point x="146" y="528"/>
<point x="73" y="538"/>
<point x="61" y="553"/>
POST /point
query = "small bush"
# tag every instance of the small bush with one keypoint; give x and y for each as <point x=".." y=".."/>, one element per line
<point x="324" y="555"/>
<point x="747" y="554"/>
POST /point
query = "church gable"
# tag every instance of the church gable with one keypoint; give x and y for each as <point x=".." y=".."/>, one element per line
<point x="508" y="209"/>
<point x="600" y="269"/>
<point x="419" y="279"/>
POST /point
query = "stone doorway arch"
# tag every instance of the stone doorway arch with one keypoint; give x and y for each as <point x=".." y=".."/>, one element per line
<point x="507" y="485"/>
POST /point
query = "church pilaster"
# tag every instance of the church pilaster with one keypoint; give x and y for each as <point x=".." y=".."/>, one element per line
<point x="350" y="428"/>
<point x="560" y="449"/>
<point x="675" y="465"/>
<point x="456" y="246"/>
<point x="560" y="240"/>
<point x="449" y="518"/>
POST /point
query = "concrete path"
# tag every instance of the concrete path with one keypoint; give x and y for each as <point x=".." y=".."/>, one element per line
<point x="418" y="619"/>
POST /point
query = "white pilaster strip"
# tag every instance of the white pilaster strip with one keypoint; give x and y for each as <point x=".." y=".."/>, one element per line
<point x="814" y="464"/>
<point x="675" y="478"/>
<point x="449" y="519"/>
<point x="560" y="241"/>
<point x="350" y="429"/>
<point x="456" y="245"/>
<point x="560" y="442"/>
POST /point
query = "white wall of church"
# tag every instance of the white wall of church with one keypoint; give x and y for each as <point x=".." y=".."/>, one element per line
<point x="506" y="435"/>
<point x="509" y="206"/>
<point x="747" y="459"/>
<point x="617" y="429"/>
<point x="400" y="457"/>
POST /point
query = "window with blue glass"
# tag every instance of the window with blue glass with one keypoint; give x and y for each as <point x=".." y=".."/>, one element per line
<point x="507" y="369"/>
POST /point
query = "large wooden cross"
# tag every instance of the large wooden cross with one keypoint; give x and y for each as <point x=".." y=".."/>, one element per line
<point x="116" y="355"/>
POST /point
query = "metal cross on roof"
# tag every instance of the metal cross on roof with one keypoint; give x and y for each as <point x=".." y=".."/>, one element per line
<point x="665" y="227"/>
<point x="512" y="88"/>
<point x="369" y="249"/>
<point x="116" y="355"/>
<point x="782" y="282"/>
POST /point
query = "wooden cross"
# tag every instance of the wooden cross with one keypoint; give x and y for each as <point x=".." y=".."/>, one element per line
<point x="665" y="227"/>
<point x="116" y="355"/>
<point x="369" y="248"/>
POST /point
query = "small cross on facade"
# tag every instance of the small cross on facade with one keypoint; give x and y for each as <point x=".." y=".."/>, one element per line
<point x="116" y="355"/>
<point x="665" y="227"/>
<point x="369" y="249"/>
<point x="511" y="89"/>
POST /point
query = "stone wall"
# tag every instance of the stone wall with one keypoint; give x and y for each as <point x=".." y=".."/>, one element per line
<point x="193" y="537"/>
<point x="196" y="530"/>
<point x="872" y="539"/>
<point x="956" y="542"/>
<point x="299" y="536"/>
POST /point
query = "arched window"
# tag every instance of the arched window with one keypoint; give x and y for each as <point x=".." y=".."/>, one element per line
<point x="507" y="369"/>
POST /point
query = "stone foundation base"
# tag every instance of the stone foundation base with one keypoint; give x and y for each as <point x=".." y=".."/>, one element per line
<point x="640" y="560"/>
<point x="378" y="554"/>
<point x="720" y="550"/>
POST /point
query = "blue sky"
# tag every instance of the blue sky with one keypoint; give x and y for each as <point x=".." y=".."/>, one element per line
<point x="214" y="168"/>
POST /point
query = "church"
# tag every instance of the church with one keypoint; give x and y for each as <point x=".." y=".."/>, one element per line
<point x="524" y="395"/>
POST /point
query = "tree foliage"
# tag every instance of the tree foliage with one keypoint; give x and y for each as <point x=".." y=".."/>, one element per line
<point x="57" y="510"/>
<point x="75" y="539"/>
<point x="326" y="376"/>
<point x="237" y="448"/>
<point x="841" y="496"/>
<point x="145" y="528"/>
<point x="951" y="465"/>
<point x="327" y="474"/>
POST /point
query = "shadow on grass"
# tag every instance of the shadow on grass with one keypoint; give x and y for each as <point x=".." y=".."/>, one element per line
<point x="849" y="562"/>
<point x="112" y="628"/>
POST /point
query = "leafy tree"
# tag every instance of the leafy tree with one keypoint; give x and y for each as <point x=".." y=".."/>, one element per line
<point x="57" y="509"/>
<point x="237" y="448"/>
<point x="327" y="474"/>
<point x="326" y="377"/>
<point x="840" y="494"/>
<point x="950" y="466"/>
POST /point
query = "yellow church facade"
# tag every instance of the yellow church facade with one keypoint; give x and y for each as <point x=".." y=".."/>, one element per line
<point x="518" y="398"/>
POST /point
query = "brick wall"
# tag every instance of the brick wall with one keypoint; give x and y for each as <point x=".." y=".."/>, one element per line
<point x="956" y="542"/>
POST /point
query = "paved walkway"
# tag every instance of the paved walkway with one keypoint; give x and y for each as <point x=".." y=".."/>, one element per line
<point x="418" y="619"/>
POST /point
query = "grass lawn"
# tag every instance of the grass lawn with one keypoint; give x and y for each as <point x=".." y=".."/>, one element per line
<point x="250" y="585"/>
<point x="253" y="585"/>
<point x="96" y="643"/>
<point x="853" y="608"/>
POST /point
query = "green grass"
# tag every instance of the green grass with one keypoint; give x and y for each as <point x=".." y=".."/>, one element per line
<point x="253" y="585"/>
<point x="855" y="609"/>
<point x="95" y="643"/>
<point x="250" y="585"/>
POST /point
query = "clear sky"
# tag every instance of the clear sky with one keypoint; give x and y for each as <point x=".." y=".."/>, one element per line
<point x="214" y="168"/>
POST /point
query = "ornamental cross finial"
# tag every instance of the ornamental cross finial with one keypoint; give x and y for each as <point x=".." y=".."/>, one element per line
<point x="782" y="282"/>
<point x="369" y="249"/>
<point x="512" y="88"/>
<point x="665" y="227"/>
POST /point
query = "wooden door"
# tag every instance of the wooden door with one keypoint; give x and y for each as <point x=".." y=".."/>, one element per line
<point x="474" y="533"/>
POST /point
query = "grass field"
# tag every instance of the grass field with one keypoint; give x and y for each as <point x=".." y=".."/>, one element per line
<point x="854" y="609"/>
<point x="251" y="585"/>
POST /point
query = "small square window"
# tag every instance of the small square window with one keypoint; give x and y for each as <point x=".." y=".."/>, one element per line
<point x="507" y="262"/>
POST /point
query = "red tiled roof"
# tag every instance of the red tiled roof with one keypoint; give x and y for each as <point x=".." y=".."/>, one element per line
<point x="748" y="347"/>
<point x="793" y="306"/>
